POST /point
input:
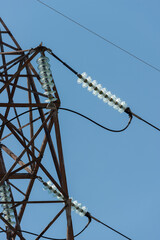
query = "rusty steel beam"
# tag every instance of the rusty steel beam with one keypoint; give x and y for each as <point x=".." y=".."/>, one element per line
<point x="24" y="167"/>
<point x="10" y="100"/>
<point x="9" y="32"/>
<point x="8" y="45"/>
<point x="70" y="235"/>
<point x="50" y="143"/>
<point x="33" y="163"/>
<point x="13" y="166"/>
<point x="3" y="172"/>
<point x="50" y="224"/>
<point x="43" y="105"/>
<point x="13" y="129"/>
<point x="8" y="63"/>
<point x="14" y="63"/>
<point x="23" y="137"/>
<point x="30" y="186"/>
<point x="27" y="124"/>
<point x="19" y="176"/>
<point x="33" y="202"/>
<point x="4" y="63"/>
<point x="12" y="228"/>
<point x="22" y="67"/>
<point x="63" y="178"/>
<point x="20" y="75"/>
<point x="26" y="89"/>
<point x="4" y="32"/>
<point x="31" y="119"/>
<point x="11" y="184"/>
<point x="60" y="153"/>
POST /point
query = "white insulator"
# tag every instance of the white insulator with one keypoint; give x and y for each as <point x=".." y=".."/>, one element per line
<point x="112" y="100"/>
<point x="89" y="80"/>
<point x="97" y="89"/>
<point x="82" y="79"/>
<point x="5" y="199"/>
<point x="11" y="222"/>
<point x="109" y="94"/>
<point x="8" y="211"/>
<point x="124" y="104"/>
<point x="116" y="107"/>
<point x="92" y="85"/>
<point x="78" y="208"/>
<point x="79" y="80"/>
<point x="48" y="85"/>
<point x="84" y="75"/>
<point x="99" y="86"/>
<point x="60" y="197"/>
<point x="111" y="103"/>
<point x="6" y="205"/>
<point x="50" y="100"/>
<point x="83" y="211"/>
<point x="95" y="92"/>
<point x="74" y="203"/>
<point x="53" y="189"/>
<point x="44" y="67"/>
<point x="42" y="59"/>
<point x="118" y="103"/>
<point x="49" y="92"/>
<point x="6" y="193"/>
<point x="49" y="183"/>
<point x="45" y="74"/>
<point x="105" y="100"/>
<point x="45" y="187"/>
<point x="7" y="217"/>
<point x="102" y="93"/>
<point x="84" y="84"/>
<point x="4" y="187"/>
<point x="46" y="78"/>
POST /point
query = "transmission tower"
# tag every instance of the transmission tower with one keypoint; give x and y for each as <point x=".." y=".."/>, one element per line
<point x="24" y="141"/>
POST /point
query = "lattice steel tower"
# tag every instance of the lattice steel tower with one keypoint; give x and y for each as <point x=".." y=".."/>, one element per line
<point x="24" y="141"/>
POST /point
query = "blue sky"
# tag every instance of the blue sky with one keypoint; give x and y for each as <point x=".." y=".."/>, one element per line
<point x="116" y="175"/>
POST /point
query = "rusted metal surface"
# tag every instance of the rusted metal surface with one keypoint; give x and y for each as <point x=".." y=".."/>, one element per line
<point x="50" y="224"/>
<point x="27" y="153"/>
<point x="34" y="120"/>
<point x="25" y="105"/>
<point x="70" y="235"/>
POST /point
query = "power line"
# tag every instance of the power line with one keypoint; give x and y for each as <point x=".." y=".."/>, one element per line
<point x="97" y="220"/>
<point x="128" y="111"/>
<point x="70" y="110"/>
<point x="101" y="37"/>
<point x="89" y="119"/>
<point x="87" y="214"/>
<point x="51" y="238"/>
<point x="143" y="120"/>
<point x="30" y="110"/>
<point x="90" y="217"/>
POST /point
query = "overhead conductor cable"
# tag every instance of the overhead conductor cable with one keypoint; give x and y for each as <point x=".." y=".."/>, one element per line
<point x="102" y="93"/>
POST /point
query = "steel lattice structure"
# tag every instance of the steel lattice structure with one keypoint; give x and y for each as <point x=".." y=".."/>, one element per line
<point x="20" y="80"/>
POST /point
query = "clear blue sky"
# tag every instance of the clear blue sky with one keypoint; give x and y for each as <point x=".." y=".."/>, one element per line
<point x="116" y="175"/>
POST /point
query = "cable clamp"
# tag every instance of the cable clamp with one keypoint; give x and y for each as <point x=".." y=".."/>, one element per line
<point x="40" y="179"/>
